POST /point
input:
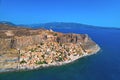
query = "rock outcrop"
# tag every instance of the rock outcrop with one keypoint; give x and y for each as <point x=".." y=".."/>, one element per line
<point x="16" y="42"/>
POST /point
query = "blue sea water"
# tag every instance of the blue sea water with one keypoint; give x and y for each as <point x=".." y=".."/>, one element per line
<point x="102" y="66"/>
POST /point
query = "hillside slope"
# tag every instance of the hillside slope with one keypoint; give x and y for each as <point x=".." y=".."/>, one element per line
<point x="29" y="49"/>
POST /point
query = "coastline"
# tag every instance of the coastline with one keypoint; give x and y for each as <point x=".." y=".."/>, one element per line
<point x="28" y="49"/>
<point x="52" y="64"/>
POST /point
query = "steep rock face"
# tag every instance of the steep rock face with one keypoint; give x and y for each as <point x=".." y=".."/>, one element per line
<point x="24" y="41"/>
<point x="71" y="38"/>
<point x="14" y="41"/>
<point x="19" y="42"/>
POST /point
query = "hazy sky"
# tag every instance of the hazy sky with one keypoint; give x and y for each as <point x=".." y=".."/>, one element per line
<point x="93" y="12"/>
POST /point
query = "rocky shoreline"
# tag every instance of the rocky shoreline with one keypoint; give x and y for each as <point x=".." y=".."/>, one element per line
<point x="52" y="64"/>
<point x="65" y="62"/>
<point x="28" y="49"/>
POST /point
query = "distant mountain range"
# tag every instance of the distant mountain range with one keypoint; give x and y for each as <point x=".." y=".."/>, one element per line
<point x="55" y="25"/>
<point x="7" y="23"/>
<point x="4" y="25"/>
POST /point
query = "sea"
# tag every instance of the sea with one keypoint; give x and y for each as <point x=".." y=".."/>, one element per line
<point x="105" y="65"/>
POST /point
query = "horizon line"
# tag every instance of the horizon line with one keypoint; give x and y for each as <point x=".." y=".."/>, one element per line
<point x="87" y="25"/>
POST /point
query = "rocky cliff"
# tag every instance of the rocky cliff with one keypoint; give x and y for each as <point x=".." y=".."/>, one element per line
<point x="16" y="42"/>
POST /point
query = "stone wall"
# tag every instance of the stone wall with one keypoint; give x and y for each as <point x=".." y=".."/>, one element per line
<point x="24" y="41"/>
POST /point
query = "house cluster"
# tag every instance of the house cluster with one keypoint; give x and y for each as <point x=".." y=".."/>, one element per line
<point x="48" y="53"/>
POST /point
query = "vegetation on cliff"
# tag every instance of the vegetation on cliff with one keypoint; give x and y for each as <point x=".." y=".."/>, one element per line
<point x="29" y="49"/>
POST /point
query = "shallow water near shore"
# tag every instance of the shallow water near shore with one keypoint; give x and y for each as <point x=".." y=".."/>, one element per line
<point x="104" y="65"/>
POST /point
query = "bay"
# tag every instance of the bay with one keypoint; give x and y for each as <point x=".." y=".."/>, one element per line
<point x="105" y="65"/>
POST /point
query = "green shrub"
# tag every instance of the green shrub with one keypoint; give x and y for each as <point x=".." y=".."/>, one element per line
<point x="55" y="34"/>
<point x="41" y="62"/>
<point x="41" y="43"/>
<point x="60" y="58"/>
<point x="22" y="62"/>
<point x="33" y="50"/>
